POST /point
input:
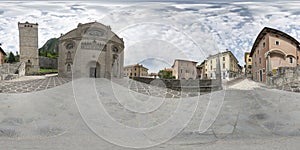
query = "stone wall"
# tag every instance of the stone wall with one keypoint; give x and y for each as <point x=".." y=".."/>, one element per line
<point x="12" y="71"/>
<point x="286" y="78"/>
<point x="206" y="85"/>
<point x="47" y="63"/>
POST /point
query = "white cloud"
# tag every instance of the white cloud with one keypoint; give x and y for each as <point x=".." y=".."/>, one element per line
<point x="196" y="30"/>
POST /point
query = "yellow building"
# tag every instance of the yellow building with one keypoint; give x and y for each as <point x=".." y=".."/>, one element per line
<point x="135" y="70"/>
<point x="228" y="64"/>
<point x="248" y="65"/>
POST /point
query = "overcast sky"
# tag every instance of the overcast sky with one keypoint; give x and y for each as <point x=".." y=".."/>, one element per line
<point x="156" y="33"/>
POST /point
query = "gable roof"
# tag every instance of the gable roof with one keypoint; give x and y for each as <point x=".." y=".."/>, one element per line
<point x="2" y="51"/>
<point x="266" y="30"/>
<point x="184" y="60"/>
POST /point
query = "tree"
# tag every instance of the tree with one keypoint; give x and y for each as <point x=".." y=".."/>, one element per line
<point x="164" y="74"/>
<point x="11" y="58"/>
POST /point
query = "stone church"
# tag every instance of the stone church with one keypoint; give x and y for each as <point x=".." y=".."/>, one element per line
<point x="91" y="50"/>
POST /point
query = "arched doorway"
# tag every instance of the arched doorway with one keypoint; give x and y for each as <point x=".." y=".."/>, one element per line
<point x="94" y="69"/>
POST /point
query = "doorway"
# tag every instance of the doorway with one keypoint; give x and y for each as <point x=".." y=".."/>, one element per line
<point x="94" y="70"/>
<point x="260" y="75"/>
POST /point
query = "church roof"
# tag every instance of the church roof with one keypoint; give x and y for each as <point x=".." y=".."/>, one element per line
<point x="90" y="24"/>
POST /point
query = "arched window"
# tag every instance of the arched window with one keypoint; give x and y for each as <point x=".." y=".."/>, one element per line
<point x="68" y="68"/>
<point x="291" y="60"/>
<point x="69" y="55"/>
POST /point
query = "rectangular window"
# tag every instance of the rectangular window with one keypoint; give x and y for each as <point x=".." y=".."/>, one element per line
<point x="249" y="60"/>
<point x="223" y="66"/>
<point x="259" y="60"/>
<point x="291" y="60"/>
<point x="223" y="58"/>
<point x="180" y="70"/>
<point x="277" y="43"/>
<point x="210" y="67"/>
<point x="211" y="75"/>
<point x="264" y="44"/>
<point x="255" y="64"/>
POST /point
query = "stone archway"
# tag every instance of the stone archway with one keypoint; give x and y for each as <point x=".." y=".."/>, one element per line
<point x="93" y="69"/>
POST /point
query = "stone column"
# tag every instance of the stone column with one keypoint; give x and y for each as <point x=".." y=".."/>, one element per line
<point x="218" y="72"/>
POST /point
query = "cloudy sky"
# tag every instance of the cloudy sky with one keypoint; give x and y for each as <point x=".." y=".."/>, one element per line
<point x="157" y="32"/>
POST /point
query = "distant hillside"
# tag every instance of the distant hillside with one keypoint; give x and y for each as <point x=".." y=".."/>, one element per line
<point x="50" y="48"/>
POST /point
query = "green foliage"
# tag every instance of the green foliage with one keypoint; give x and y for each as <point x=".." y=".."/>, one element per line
<point x="163" y="74"/>
<point x="11" y="58"/>
<point x="45" y="71"/>
<point x="50" y="48"/>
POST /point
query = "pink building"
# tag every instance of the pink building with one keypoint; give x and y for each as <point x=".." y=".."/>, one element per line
<point x="272" y="49"/>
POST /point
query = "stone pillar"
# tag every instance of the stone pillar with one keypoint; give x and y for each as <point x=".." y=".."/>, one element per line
<point x="269" y="69"/>
<point x="218" y="72"/>
<point x="108" y="61"/>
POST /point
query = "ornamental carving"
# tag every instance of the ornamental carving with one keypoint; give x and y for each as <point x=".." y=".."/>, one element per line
<point x="98" y="33"/>
<point x="93" y="45"/>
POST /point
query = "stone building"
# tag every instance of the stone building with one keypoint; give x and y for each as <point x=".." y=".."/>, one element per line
<point x="202" y="70"/>
<point x="99" y="52"/>
<point x="28" y="40"/>
<point x="229" y="66"/>
<point x="184" y="69"/>
<point x="2" y="56"/>
<point x="136" y="70"/>
<point x="248" y="65"/>
<point x="273" y="49"/>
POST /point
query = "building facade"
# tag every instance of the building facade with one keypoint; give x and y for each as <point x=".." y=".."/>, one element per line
<point x="99" y="52"/>
<point x="248" y="65"/>
<point x="28" y="40"/>
<point x="202" y="70"/>
<point x="272" y="49"/>
<point x="136" y="70"/>
<point x="184" y="69"/>
<point x="229" y="66"/>
<point x="2" y="56"/>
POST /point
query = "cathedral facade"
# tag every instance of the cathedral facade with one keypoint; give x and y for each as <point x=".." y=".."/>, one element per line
<point x="91" y="50"/>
